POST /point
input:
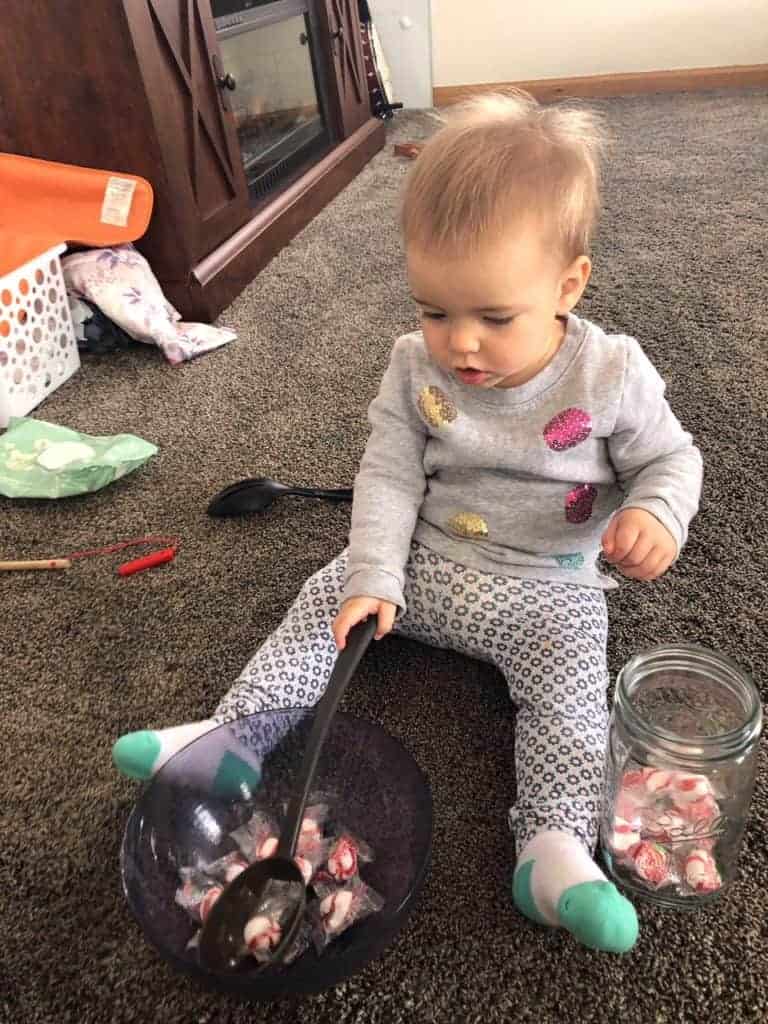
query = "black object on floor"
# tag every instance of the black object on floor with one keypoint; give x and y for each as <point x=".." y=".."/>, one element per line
<point x="257" y="493"/>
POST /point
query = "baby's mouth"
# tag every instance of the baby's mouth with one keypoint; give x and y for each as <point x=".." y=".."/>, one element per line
<point x="472" y="376"/>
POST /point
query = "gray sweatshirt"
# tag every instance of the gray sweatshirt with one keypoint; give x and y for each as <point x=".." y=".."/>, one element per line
<point x="517" y="481"/>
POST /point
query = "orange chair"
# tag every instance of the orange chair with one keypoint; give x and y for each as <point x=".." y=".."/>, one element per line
<point x="43" y="204"/>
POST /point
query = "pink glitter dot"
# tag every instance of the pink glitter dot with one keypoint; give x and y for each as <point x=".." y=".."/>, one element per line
<point x="567" y="429"/>
<point x="579" y="502"/>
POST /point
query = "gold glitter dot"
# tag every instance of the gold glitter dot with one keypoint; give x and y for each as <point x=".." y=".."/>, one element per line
<point x="436" y="407"/>
<point x="468" y="524"/>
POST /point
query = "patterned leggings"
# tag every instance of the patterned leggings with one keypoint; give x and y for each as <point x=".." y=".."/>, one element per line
<point x="548" y="639"/>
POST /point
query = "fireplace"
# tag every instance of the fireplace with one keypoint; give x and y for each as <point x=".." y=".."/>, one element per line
<point x="271" y="71"/>
<point x="246" y="116"/>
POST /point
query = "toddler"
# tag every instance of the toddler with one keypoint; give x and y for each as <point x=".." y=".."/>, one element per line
<point x="512" y="444"/>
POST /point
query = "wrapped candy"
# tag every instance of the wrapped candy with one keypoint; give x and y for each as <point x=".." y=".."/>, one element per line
<point x="340" y="906"/>
<point x="652" y="863"/>
<point x="264" y="930"/>
<point x="193" y="894"/>
<point x="625" y="837"/>
<point x="208" y="900"/>
<point x="267" y="849"/>
<point x="665" y="827"/>
<point x="344" y="856"/>
<point x="635" y="778"/>
<point x="660" y="781"/>
<point x="305" y="867"/>
<point x="703" y="810"/>
<point x="257" y="838"/>
<point x="701" y="873"/>
<point x="329" y="860"/>
<point x="629" y="807"/>
<point x="237" y="867"/>
<point x="262" y="934"/>
<point x="312" y="850"/>
<point x="228" y="867"/>
<point x="690" y="788"/>
<point x="314" y="820"/>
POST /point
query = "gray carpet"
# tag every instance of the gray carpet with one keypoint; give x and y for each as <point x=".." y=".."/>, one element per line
<point x="681" y="262"/>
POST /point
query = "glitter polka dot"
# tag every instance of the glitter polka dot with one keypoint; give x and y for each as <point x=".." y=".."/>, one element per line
<point x="436" y="407"/>
<point x="468" y="524"/>
<point x="573" y="560"/>
<point x="579" y="502"/>
<point x="567" y="429"/>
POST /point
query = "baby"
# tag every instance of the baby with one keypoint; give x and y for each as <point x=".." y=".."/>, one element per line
<point x="512" y="444"/>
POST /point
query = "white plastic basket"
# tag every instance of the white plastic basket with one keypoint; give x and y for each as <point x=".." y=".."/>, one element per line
<point x="38" y="349"/>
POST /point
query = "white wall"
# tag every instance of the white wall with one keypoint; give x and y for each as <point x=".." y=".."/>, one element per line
<point x="518" y="40"/>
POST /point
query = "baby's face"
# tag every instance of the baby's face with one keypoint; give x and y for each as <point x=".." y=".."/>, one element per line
<point x="491" y="319"/>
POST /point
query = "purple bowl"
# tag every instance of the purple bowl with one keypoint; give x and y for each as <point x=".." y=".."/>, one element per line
<point x="378" y="792"/>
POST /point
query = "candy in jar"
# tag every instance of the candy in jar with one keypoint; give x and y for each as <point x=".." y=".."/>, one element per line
<point x="680" y="770"/>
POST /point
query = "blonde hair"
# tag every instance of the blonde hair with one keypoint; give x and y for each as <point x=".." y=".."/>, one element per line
<point x="498" y="157"/>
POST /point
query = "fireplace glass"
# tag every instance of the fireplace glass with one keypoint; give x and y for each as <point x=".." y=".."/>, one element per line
<point x="274" y="87"/>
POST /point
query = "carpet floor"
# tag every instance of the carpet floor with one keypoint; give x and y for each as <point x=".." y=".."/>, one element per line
<point x="680" y="262"/>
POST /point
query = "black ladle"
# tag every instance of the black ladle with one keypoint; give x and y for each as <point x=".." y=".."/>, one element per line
<point x="257" y="493"/>
<point x="222" y="944"/>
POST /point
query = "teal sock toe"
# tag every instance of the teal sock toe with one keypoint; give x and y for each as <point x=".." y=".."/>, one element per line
<point x="599" y="916"/>
<point x="135" y="754"/>
<point x="235" y="779"/>
<point x="522" y="895"/>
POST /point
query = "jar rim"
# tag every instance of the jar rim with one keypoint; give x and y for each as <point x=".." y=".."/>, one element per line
<point x="725" y="742"/>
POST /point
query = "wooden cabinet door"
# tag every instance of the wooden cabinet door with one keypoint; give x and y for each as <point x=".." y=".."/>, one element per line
<point x="347" y="56"/>
<point x="205" y="194"/>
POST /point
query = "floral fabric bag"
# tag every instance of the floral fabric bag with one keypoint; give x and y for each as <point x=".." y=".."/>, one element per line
<point x="121" y="283"/>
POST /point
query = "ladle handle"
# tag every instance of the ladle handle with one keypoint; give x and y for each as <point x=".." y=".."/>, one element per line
<point x="339" y="494"/>
<point x="347" y="661"/>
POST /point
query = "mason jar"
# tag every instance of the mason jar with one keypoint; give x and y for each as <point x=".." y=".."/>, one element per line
<point x="680" y="770"/>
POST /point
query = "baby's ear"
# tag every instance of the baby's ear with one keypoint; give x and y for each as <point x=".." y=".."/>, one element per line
<point x="573" y="282"/>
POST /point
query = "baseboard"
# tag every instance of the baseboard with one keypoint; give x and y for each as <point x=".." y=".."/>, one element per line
<point x="684" y="80"/>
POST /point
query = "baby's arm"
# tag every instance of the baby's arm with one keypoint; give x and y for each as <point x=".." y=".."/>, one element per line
<point x="389" y="488"/>
<point x="660" y="470"/>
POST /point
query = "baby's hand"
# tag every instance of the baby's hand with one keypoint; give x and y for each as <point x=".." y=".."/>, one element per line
<point x="638" y="544"/>
<point x="355" y="610"/>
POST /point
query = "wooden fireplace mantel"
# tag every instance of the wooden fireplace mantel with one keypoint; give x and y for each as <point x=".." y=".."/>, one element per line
<point x="132" y="86"/>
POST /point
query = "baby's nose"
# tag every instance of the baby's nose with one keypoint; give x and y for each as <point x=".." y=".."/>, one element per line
<point x="464" y="339"/>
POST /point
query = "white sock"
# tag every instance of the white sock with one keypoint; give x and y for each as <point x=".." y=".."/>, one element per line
<point x="142" y="754"/>
<point x="557" y="883"/>
<point x="561" y="861"/>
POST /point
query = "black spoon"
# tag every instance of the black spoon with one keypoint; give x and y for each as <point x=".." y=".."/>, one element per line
<point x="222" y="943"/>
<point x="257" y="493"/>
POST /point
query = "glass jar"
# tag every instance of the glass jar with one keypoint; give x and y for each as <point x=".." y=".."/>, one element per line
<point x="680" y="769"/>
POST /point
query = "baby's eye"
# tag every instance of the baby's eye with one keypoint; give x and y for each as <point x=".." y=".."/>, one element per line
<point x="433" y="316"/>
<point x="498" y="321"/>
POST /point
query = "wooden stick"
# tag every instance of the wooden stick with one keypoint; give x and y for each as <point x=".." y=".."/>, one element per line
<point x="48" y="563"/>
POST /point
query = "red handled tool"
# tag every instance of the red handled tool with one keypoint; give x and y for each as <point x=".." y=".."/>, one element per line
<point x="166" y="554"/>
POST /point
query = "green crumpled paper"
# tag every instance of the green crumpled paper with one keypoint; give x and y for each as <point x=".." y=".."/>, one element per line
<point x="43" y="460"/>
